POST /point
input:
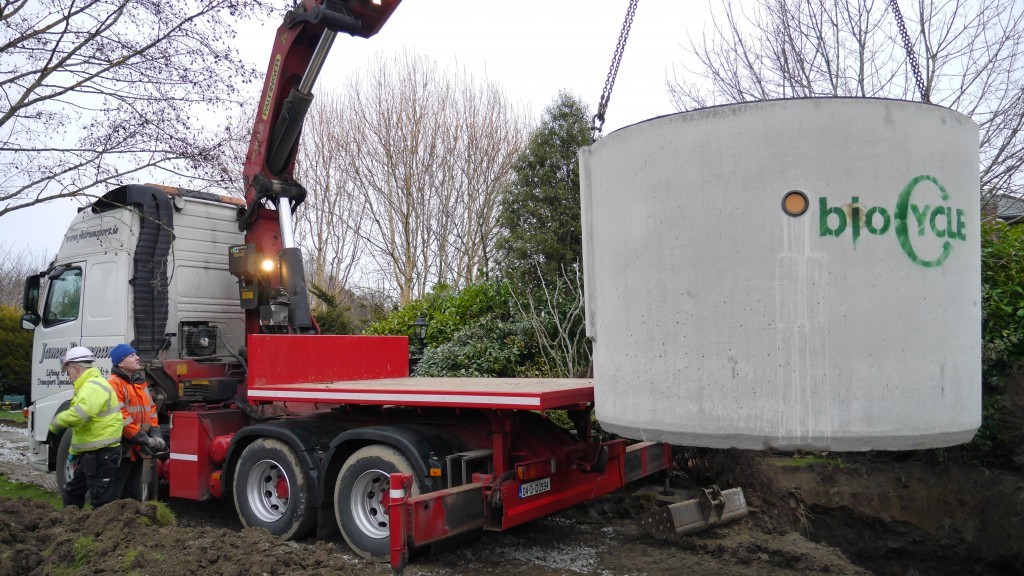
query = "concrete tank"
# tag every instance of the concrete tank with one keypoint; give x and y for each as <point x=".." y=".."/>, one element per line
<point x="793" y="274"/>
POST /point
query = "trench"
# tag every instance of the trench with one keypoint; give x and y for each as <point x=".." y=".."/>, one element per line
<point x="912" y="519"/>
<point x="900" y="548"/>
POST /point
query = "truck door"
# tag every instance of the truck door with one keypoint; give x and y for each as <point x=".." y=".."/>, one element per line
<point x="105" y="305"/>
<point x="59" y="330"/>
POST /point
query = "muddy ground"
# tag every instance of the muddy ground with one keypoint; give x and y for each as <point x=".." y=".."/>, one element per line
<point x="848" y="516"/>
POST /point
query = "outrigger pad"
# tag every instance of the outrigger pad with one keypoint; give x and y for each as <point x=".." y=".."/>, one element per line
<point x="713" y="507"/>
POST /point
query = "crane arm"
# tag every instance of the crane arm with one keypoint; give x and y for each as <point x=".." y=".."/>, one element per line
<point x="301" y="45"/>
<point x="275" y="297"/>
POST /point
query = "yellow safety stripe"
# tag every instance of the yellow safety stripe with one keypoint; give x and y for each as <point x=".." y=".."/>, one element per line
<point x="81" y="413"/>
<point x="110" y="396"/>
<point x="109" y="411"/>
<point x="95" y="444"/>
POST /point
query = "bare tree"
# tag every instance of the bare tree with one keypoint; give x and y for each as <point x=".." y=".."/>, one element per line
<point x="555" y="312"/>
<point x="99" y="92"/>
<point x="15" y="266"/>
<point x="329" y="223"/>
<point x="971" y="54"/>
<point x="486" y="137"/>
<point x="428" y="152"/>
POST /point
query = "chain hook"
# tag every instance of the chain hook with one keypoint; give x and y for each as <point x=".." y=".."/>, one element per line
<point x="909" y="48"/>
<point x="613" y="71"/>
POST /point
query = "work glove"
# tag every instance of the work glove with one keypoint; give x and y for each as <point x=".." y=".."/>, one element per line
<point x="154" y="433"/>
<point x="140" y="438"/>
<point x="156" y="444"/>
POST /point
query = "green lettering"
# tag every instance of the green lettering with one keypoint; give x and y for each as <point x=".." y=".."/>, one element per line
<point x="855" y="217"/>
<point x="960" y="235"/>
<point x="903" y="208"/>
<point x="823" y="219"/>
<point x="869" y="220"/>
<point x="921" y="216"/>
<point x="931" y="221"/>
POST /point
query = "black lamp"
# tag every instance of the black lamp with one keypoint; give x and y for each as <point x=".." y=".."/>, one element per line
<point x="419" y="337"/>
<point x="419" y="328"/>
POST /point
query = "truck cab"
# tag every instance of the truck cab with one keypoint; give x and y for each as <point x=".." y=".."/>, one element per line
<point x="143" y="264"/>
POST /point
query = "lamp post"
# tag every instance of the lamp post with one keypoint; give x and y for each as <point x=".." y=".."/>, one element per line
<point x="419" y="332"/>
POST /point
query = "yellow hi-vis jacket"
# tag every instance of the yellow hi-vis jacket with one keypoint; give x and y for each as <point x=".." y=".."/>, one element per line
<point x="94" y="415"/>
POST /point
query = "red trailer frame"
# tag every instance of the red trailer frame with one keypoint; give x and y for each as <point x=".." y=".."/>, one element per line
<point x="316" y="374"/>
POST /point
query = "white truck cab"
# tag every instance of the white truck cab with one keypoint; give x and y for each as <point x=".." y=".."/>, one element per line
<point x="143" y="264"/>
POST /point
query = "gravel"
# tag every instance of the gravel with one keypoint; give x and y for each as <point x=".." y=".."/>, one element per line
<point x="14" y="459"/>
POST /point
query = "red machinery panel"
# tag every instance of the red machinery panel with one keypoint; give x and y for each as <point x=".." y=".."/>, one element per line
<point x="303" y="359"/>
<point x="190" y="463"/>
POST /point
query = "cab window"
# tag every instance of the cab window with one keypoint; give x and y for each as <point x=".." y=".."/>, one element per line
<point x="63" y="298"/>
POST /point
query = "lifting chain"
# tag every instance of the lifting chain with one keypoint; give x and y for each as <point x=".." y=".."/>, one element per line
<point x="911" y="57"/>
<point x="613" y="71"/>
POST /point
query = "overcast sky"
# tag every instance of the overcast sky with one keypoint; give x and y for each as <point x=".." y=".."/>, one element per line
<point x="531" y="48"/>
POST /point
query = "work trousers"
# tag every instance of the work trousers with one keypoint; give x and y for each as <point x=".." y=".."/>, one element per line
<point x="95" y="473"/>
<point x="128" y="482"/>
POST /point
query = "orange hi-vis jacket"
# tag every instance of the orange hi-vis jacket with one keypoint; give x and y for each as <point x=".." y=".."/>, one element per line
<point x="137" y="406"/>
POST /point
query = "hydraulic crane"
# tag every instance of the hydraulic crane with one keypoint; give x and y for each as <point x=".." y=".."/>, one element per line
<point x="272" y="284"/>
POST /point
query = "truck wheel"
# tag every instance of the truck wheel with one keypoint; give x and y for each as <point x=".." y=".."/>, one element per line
<point x="361" y="499"/>
<point x="271" y="490"/>
<point x="64" y="472"/>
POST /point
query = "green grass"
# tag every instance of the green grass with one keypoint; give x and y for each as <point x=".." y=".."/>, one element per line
<point x="83" y="551"/>
<point x="164" y="515"/>
<point x="11" y="489"/>
<point x="85" y="548"/>
<point x="129" y="559"/>
<point x="16" y="416"/>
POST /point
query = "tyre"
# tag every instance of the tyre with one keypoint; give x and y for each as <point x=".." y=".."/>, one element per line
<point x="64" y="472"/>
<point x="271" y="490"/>
<point x="361" y="496"/>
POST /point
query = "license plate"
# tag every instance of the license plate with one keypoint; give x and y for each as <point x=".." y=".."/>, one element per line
<point x="534" y="488"/>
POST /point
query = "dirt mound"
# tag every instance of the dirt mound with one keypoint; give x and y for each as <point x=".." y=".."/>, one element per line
<point x="845" y="517"/>
<point x="124" y="537"/>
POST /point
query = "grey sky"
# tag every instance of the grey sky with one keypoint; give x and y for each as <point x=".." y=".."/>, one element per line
<point x="531" y="48"/>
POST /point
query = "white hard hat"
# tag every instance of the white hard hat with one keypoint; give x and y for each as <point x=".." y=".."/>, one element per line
<point x="77" y="354"/>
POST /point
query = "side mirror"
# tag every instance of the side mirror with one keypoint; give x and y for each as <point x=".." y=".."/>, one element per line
<point x="56" y="272"/>
<point x="29" y="321"/>
<point x="30" y="299"/>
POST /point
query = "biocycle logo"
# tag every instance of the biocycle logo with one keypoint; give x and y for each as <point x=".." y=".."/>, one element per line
<point x="911" y="218"/>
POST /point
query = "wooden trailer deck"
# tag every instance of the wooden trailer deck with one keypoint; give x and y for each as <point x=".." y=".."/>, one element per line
<point x="495" y="393"/>
<point x="375" y="370"/>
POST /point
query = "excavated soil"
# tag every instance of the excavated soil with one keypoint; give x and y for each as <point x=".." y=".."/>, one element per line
<point x="123" y="537"/>
<point x="844" y="518"/>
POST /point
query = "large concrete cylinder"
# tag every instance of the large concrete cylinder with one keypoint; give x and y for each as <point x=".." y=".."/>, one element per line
<point x="792" y="274"/>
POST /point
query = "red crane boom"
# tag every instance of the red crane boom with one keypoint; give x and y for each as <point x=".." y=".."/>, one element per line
<point x="269" y="266"/>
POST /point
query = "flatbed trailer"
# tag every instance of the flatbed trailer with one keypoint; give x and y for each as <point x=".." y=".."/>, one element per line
<point x="487" y="393"/>
<point x="374" y="371"/>
<point x="311" y="436"/>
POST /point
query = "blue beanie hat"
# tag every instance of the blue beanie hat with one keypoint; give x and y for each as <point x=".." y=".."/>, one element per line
<point x="120" y="352"/>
